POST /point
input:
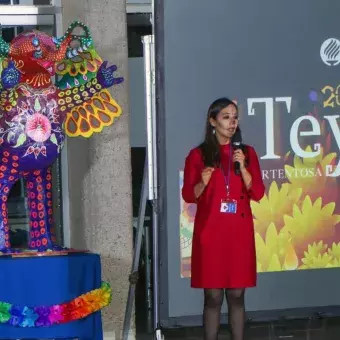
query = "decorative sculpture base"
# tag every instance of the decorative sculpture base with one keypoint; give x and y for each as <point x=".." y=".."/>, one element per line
<point x="22" y="252"/>
<point x="52" y="297"/>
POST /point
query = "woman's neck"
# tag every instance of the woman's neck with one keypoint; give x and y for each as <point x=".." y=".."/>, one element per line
<point x="222" y="140"/>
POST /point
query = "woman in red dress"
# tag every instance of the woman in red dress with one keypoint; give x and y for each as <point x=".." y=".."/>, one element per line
<point x="223" y="251"/>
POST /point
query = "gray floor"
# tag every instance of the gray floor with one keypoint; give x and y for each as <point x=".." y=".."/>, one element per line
<point x="319" y="329"/>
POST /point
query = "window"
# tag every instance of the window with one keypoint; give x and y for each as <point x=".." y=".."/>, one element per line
<point x="138" y="25"/>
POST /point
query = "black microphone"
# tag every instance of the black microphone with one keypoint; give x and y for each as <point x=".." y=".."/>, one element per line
<point x="237" y="144"/>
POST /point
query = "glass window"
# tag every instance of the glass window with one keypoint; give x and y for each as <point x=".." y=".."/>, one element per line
<point x="17" y="202"/>
<point x="138" y="26"/>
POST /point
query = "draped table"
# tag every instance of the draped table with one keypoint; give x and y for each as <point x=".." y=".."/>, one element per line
<point x="46" y="281"/>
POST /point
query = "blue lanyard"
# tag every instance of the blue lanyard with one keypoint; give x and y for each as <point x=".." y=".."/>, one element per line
<point x="227" y="177"/>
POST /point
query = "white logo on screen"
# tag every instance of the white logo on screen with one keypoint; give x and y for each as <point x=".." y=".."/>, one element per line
<point x="330" y="52"/>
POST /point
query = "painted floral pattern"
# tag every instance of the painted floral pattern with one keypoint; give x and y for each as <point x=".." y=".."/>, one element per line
<point x="38" y="128"/>
<point x="35" y="126"/>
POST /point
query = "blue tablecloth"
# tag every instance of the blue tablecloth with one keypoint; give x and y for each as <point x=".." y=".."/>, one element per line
<point x="47" y="281"/>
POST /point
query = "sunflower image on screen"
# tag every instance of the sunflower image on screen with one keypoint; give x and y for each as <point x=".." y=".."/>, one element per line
<point x="297" y="223"/>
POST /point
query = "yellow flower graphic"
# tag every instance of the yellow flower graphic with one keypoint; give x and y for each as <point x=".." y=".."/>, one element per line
<point x="336" y="263"/>
<point x="275" y="253"/>
<point x="309" y="174"/>
<point x="273" y="206"/>
<point x="321" y="261"/>
<point x="317" y="257"/>
<point x="311" y="223"/>
<point x="335" y="251"/>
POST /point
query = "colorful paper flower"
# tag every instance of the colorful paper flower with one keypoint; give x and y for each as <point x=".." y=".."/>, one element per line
<point x="56" y="315"/>
<point x="5" y="314"/>
<point x="43" y="316"/>
<point x="43" y="319"/>
<point x="17" y="316"/>
<point x="29" y="317"/>
<point x="99" y="297"/>
<point x="106" y="293"/>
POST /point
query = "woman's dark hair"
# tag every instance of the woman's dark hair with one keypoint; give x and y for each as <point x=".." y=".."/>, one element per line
<point x="210" y="147"/>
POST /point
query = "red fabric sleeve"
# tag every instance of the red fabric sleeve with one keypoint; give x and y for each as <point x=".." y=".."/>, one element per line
<point x="256" y="191"/>
<point x="192" y="175"/>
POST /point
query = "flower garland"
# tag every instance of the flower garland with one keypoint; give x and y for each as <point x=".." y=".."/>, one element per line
<point x="43" y="316"/>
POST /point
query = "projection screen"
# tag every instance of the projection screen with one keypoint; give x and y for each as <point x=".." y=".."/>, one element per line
<point x="280" y="60"/>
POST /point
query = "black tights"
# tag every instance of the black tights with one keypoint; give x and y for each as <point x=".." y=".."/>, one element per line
<point x="213" y="299"/>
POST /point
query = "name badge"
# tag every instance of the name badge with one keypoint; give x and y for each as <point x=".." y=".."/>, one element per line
<point x="228" y="206"/>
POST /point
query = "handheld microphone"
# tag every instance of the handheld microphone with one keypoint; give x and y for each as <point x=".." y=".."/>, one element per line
<point x="237" y="144"/>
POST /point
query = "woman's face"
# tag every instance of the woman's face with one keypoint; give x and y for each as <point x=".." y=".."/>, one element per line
<point x="226" y="122"/>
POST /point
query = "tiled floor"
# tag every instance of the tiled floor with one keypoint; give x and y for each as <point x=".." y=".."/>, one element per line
<point x="319" y="329"/>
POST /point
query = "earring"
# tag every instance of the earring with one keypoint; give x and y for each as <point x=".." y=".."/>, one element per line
<point x="214" y="131"/>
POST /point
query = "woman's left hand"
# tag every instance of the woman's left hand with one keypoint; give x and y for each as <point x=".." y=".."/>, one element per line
<point x="239" y="157"/>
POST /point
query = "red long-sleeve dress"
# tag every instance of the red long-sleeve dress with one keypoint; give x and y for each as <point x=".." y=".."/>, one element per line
<point x="223" y="247"/>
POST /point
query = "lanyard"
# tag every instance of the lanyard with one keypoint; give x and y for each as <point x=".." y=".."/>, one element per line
<point x="227" y="177"/>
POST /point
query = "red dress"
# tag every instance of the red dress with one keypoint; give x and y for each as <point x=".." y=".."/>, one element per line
<point x="223" y="247"/>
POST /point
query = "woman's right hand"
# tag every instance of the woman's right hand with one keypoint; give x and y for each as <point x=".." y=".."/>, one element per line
<point x="206" y="175"/>
<point x="205" y="178"/>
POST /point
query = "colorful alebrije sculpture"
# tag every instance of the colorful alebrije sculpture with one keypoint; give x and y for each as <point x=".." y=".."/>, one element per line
<point x="35" y="113"/>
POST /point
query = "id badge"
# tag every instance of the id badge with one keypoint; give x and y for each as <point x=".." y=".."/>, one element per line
<point x="228" y="206"/>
